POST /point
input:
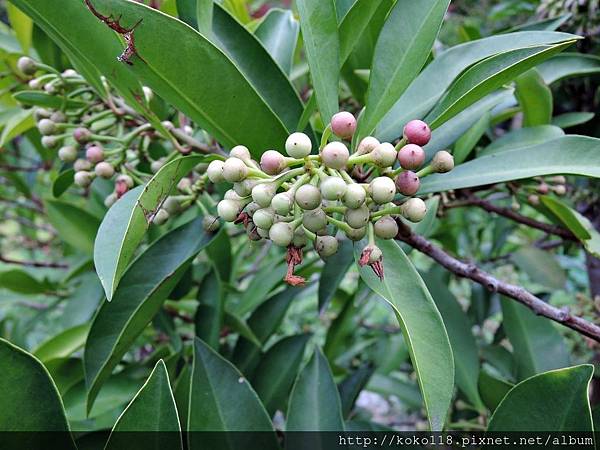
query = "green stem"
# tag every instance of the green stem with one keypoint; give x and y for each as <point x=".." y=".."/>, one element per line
<point x="325" y="138"/>
<point x="339" y="224"/>
<point x="309" y="234"/>
<point x="361" y="159"/>
<point x="425" y="171"/>
<point x="401" y="144"/>
<point x="395" y="210"/>
<point x="335" y="209"/>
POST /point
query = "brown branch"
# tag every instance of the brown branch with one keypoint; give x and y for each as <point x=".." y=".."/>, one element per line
<point x="50" y="265"/>
<point x="472" y="200"/>
<point x="474" y="273"/>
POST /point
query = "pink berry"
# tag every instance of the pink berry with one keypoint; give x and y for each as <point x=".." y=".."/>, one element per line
<point x="94" y="154"/>
<point x="343" y="124"/>
<point x="408" y="183"/>
<point x="272" y="162"/>
<point x="417" y="132"/>
<point x="335" y="155"/>
<point x="411" y="156"/>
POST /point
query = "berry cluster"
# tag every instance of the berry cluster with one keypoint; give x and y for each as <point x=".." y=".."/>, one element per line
<point x="303" y="197"/>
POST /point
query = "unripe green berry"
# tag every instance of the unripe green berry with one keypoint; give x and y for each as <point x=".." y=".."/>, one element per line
<point x="50" y="142"/>
<point x="215" y="171"/>
<point x="235" y="170"/>
<point x="82" y="164"/>
<point x="172" y="205"/>
<point x="264" y="218"/>
<point x="314" y="220"/>
<point x="161" y="217"/>
<point x="356" y="234"/>
<point x="104" y="170"/>
<point x="308" y="197"/>
<point x="335" y="155"/>
<point x="262" y="233"/>
<point x="110" y="200"/>
<point x="382" y="190"/>
<point x="384" y="155"/>
<point x="272" y="162"/>
<point x="67" y="153"/>
<point x="282" y="203"/>
<point x="58" y="117"/>
<point x="333" y="188"/>
<point x="411" y="157"/>
<point x="417" y="132"/>
<point x="47" y="127"/>
<point x="300" y="240"/>
<point x="281" y="234"/>
<point x="252" y="207"/>
<point x="41" y="113"/>
<point x="367" y="145"/>
<point x="35" y="84"/>
<point x="26" y="65"/>
<point x="210" y="223"/>
<point x="355" y="196"/>
<point x="343" y="125"/>
<point x="386" y="228"/>
<point x="232" y="195"/>
<point x="414" y="210"/>
<point x="357" y="218"/>
<point x="298" y="145"/>
<point x="83" y="178"/>
<point x="94" y="154"/>
<point x="240" y="152"/>
<point x="442" y="162"/>
<point x="244" y="188"/>
<point x="263" y="194"/>
<point x="408" y="183"/>
<point x="229" y="210"/>
<point x="326" y="246"/>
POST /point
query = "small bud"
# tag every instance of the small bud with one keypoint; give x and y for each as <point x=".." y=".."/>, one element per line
<point x="264" y="218"/>
<point x="417" y="132"/>
<point x="104" y="170"/>
<point x="533" y="200"/>
<point x="314" y="220"/>
<point x="82" y="164"/>
<point x="263" y="194"/>
<point x="282" y="203"/>
<point x="343" y="125"/>
<point x="281" y="234"/>
<point x="35" y="84"/>
<point x="367" y="145"/>
<point x="333" y="188"/>
<point x="83" y="179"/>
<point x="50" y="142"/>
<point x="215" y="171"/>
<point x="244" y="188"/>
<point x="82" y="135"/>
<point x="229" y="210"/>
<point x="559" y="179"/>
<point x="240" y="152"/>
<point x="384" y="155"/>
<point x="408" y="183"/>
<point x="184" y="185"/>
<point x="382" y="190"/>
<point x="70" y="73"/>
<point x="272" y="162"/>
<point x="232" y="195"/>
<point x="58" y="117"/>
<point x="298" y="145"/>
<point x="414" y="210"/>
<point x="234" y="170"/>
<point x="356" y="234"/>
<point x="160" y="218"/>
<point x="172" y="205"/>
<point x="94" y="154"/>
<point x="335" y="155"/>
<point x="148" y="94"/>
<point x="386" y="228"/>
<point x="326" y="246"/>
<point x="41" y="113"/>
<point x="355" y="196"/>
<point x="168" y="125"/>
<point x="411" y="157"/>
<point x="357" y="218"/>
<point x="110" y="200"/>
<point x="543" y="188"/>
<point x="126" y="180"/>
<point x="560" y="190"/>
<point x="68" y="153"/>
<point x="308" y="197"/>
<point x="26" y="65"/>
<point x="442" y="162"/>
<point x="47" y="127"/>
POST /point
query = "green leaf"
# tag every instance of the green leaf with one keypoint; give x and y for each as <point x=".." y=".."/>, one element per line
<point x="541" y="267"/>
<point x="314" y="402"/>
<point x="466" y="144"/>
<point x="537" y="344"/>
<point x="487" y="76"/>
<point x="401" y="52"/>
<point x="523" y="137"/>
<point x="125" y="224"/>
<point x="265" y="280"/>
<point x="66" y="372"/>
<point x="422" y="327"/>
<point x="152" y="410"/>
<point x="204" y="16"/>
<point x="145" y="287"/>
<point x="21" y="25"/>
<point x="17" y="280"/>
<point x="569" y="120"/>
<point x="492" y="389"/>
<point x="550" y="24"/>
<point x="189" y="10"/>
<point x="221" y="399"/>
<point x="240" y="327"/>
<point x="277" y="371"/>
<point x="569" y="65"/>
<point x="464" y="347"/>
<point x="38" y="98"/>
<point x="318" y="22"/>
<point x="351" y="387"/>
<point x="333" y="273"/>
<point x="278" y="31"/>
<point x="437" y="77"/>
<point x="209" y="315"/>
<point x="354" y="24"/>
<point x="75" y="225"/>
<point x="62" y="182"/>
<point x="556" y="400"/>
<point x="32" y="400"/>
<point x="535" y="98"/>
<point x="389" y="386"/>
<point x="548" y="158"/>
<point x="18" y="124"/>
<point x="63" y="344"/>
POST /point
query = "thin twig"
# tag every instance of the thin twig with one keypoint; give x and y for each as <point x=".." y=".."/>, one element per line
<point x="50" y="265"/>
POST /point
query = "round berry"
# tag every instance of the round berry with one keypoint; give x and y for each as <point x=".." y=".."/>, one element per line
<point x="314" y="220"/>
<point x="417" y="132"/>
<point x="210" y="223"/>
<point x="355" y="196"/>
<point x="335" y="155"/>
<point x="384" y="155"/>
<point x="83" y="178"/>
<point x="252" y="207"/>
<point x="26" y="65"/>
<point x="58" y="117"/>
<point x="282" y="203"/>
<point x="215" y="171"/>
<point x="82" y="135"/>
<point x="35" y="84"/>
<point x="244" y="188"/>
<point x="50" y="142"/>
<point x="161" y="217"/>
<point x="234" y="170"/>
<point x="94" y="154"/>
<point x="104" y="170"/>
<point x="82" y="164"/>
<point x="281" y="234"/>
<point x="357" y="218"/>
<point x="386" y="228"/>
<point x="229" y="210"/>
<point x="411" y="157"/>
<point x="343" y="125"/>
<point x="47" y="127"/>
<point x="41" y="113"/>
<point x="408" y="183"/>
<point x="68" y="153"/>
<point x="367" y="145"/>
<point x="262" y="233"/>
<point x="308" y="197"/>
<point x="356" y="234"/>
<point x="298" y="145"/>
<point x="414" y="210"/>
<point x="263" y="218"/>
<point x="272" y="162"/>
<point x="263" y="194"/>
<point x="171" y="205"/>
<point x="326" y="246"/>
<point x="333" y="188"/>
<point x="125" y="180"/>
<point x="442" y="162"/>
<point x="382" y="190"/>
<point x="560" y="190"/>
<point x="300" y="239"/>
<point x="240" y="152"/>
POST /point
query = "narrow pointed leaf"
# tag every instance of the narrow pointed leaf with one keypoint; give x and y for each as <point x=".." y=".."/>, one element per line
<point x="523" y="137"/>
<point x="63" y="344"/>
<point x="569" y="65"/>
<point x="333" y="273"/>
<point x="278" y="32"/>
<point x="354" y="24"/>
<point x="535" y="98"/>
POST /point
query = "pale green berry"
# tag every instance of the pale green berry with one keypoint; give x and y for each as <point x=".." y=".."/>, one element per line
<point x="240" y="152"/>
<point x="356" y="234"/>
<point x="263" y="218"/>
<point x="357" y="218"/>
<point x="326" y="246"/>
<point x="333" y="188"/>
<point x="235" y="170"/>
<point x="308" y="197"/>
<point x="282" y="203"/>
<point x="67" y="153"/>
<point x="314" y="220"/>
<point x="232" y="195"/>
<point x="229" y="210"/>
<point x="367" y="145"/>
<point x="83" y="178"/>
<point x="384" y="155"/>
<point x="442" y="162"/>
<point x="50" y="142"/>
<point x="244" y="188"/>
<point x="414" y="210"/>
<point x="386" y="228"/>
<point x="104" y="170"/>
<point x="355" y="196"/>
<point x="41" y="113"/>
<point x="300" y="239"/>
<point x="184" y="185"/>
<point x="298" y="145"/>
<point x="281" y="234"/>
<point x="215" y="171"/>
<point x="335" y="155"/>
<point x="47" y="127"/>
<point x="161" y="217"/>
<point x="171" y="205"/>
<point x="26" y="65"/>
<point x="382" y="190"/>
<point x="262" y="233"/>
<point x="82" y="164"/>
<point x="263" y="194"/>
<point x="375" y="255"/>
<point x="252" y="207"/>
<point x="58" y="117"/>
